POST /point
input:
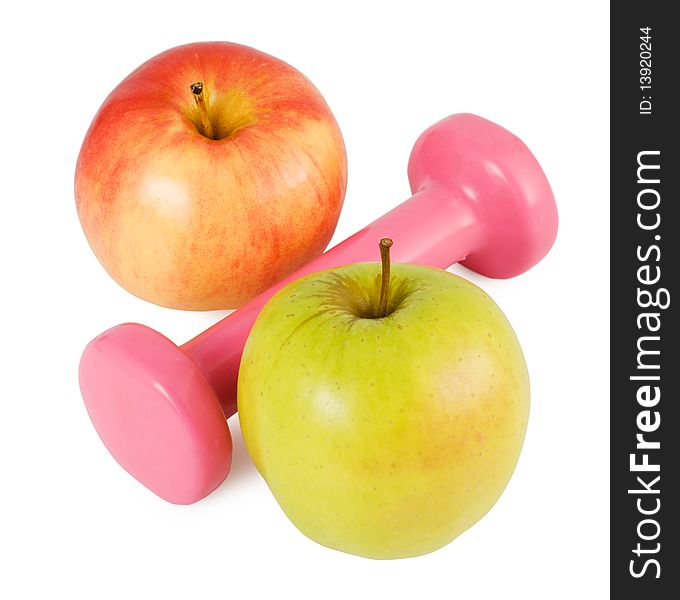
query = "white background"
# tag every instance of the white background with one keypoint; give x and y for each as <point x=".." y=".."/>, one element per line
<point x="75" y="525"/>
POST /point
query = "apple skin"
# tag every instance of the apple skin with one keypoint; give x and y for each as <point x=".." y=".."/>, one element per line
<point x="383" y="437"/>
<point x="189" y="222"/>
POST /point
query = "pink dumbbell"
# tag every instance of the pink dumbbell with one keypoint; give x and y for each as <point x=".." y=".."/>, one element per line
<point x="479" y="197"/>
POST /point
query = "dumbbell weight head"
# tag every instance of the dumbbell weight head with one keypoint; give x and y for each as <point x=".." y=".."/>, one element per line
<point x="155" y="412"/>
<point x="493" y="173"/>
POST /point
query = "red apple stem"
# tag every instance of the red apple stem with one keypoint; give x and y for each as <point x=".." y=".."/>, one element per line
<point x="385" y="244"/>
<point x="206" y="125"/>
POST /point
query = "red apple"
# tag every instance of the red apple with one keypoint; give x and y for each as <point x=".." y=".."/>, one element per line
<point x="201" y="196"/>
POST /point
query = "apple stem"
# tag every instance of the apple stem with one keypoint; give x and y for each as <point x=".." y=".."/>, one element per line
<point x="385" y="244"/>
<point x="197" y="91"/>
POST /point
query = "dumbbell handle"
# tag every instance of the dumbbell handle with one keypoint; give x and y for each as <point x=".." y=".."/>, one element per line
<point x="430" y="228"/>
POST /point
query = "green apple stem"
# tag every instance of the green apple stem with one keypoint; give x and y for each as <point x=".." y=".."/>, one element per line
<point x="206" y="125"/>
<point x="385" y="244"/>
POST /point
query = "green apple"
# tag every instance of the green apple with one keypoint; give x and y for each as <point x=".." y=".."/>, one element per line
<point x="383" y="436"/>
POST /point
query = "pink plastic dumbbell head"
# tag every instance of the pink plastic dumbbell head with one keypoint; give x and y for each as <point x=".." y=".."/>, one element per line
<point x="497" y="176"/>
<point x="155" y="412"/>
<point x="479" y="197"/>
